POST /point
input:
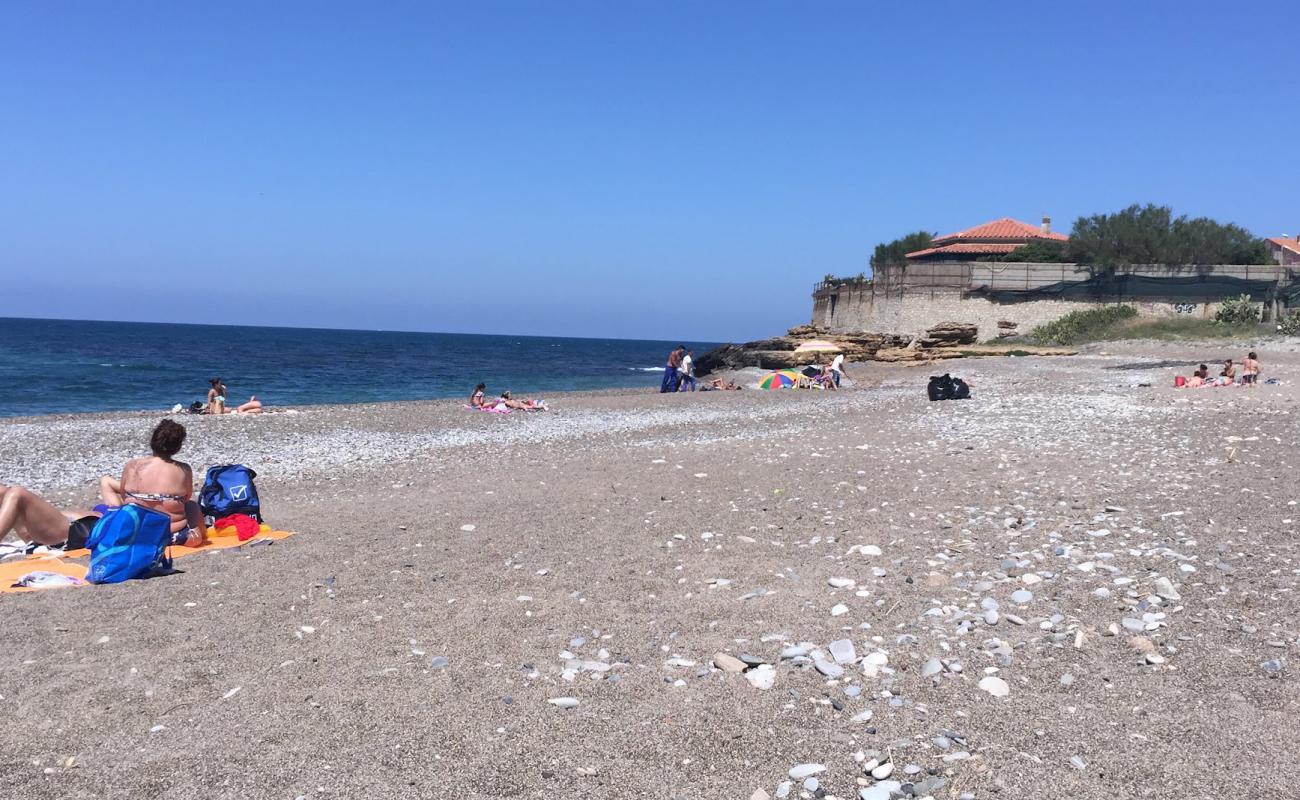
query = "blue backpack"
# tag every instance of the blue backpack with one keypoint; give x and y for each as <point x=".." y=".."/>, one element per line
<point x="230" y="490"/>
<point x="129" y="542"/>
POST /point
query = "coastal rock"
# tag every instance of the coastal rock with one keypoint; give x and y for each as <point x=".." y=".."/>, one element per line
<point x="949" y="334"/>
<point x="779" y="352"/>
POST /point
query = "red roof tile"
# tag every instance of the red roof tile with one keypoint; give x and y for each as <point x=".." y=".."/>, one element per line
<point x="1290" y="244"/>
<point x="976" y="248"/>
<point x="1005" y="228"/>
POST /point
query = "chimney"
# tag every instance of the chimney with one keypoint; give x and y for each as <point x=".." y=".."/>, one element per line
<point x="1047" y="224"/>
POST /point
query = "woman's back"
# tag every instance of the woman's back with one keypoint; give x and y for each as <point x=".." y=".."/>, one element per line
<point x="159" y="484"/>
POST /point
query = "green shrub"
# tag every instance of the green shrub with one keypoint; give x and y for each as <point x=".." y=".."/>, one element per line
<point x="1078" y="326"/>
<point x="1289" y="325"/>
<point x="1237" y="311"/>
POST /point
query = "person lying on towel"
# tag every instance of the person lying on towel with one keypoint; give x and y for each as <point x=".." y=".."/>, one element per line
<point x="37" y="521"/>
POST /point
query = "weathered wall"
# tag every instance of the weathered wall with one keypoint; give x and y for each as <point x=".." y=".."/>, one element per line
<point x="912" y="313"/>
<point x="907" y="301"/>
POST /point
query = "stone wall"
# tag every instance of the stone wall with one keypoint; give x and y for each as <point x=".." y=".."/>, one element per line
<point x="908" y="301"/>
<point x="912" y="314"/>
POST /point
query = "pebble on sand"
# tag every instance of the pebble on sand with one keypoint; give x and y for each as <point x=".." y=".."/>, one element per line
<point x="995" y="686"/>
<point x="728" y="663"/>
<point x="564" y="702"/>
<point x="761" y="677"/>
<point x="800" y="771"/>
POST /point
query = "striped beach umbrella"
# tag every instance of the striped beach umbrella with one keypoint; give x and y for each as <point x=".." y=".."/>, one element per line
<point x="781" y="379"/>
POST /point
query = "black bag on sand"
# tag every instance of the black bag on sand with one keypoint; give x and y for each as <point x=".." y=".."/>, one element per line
<point x="946" y="387"/>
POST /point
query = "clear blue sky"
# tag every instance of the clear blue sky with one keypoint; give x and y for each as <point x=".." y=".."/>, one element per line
<point x="628" y="169"/>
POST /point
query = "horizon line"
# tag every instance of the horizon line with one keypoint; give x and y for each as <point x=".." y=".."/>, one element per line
<point x="353" y="330"/>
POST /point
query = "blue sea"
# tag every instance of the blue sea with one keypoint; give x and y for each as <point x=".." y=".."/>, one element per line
<point x="57" y="366"/>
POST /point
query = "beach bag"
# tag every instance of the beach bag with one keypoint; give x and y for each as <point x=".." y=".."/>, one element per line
<point x="230" y="490"/>
<point x="1179" y="381"/>
<point x="129" y="542"/>
<point x="946" y="387"/>
<point x="939" y="388"/>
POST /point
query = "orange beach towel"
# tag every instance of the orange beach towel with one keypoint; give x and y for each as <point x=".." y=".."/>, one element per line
<point x="221" y="539"/>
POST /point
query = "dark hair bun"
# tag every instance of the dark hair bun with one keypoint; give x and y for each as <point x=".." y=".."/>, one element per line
<point x="167" y="438"/>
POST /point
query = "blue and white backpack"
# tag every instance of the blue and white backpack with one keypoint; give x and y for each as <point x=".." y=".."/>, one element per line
<point x="230" y="490"/>
<point x="129" y="542"/>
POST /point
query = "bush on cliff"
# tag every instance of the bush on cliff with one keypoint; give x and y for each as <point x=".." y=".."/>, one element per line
<point x="1237" y="311"/>
<point x="1289" y="325"/>
<point x="1080" y="326"/>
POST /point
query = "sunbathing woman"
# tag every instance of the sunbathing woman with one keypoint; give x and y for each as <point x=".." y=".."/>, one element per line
<point x="476" y="399"/>
<point x="520" y="405"/>
<point x="1229" y="372"/>
<point x="35" y="520"/>
<point x="161" y="483"/>
<point x="217" y="401"/>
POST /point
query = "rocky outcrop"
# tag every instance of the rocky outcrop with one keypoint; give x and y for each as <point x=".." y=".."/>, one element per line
<point x="943" y="341"/>
<point x="779" y="352"/>
<point x="968" y="351"/>
<point x="948" y="334"/>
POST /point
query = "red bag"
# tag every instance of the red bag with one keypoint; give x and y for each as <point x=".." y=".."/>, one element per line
<point x="1179" y="381"/>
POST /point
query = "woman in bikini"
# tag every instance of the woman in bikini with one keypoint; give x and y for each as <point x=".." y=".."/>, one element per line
<point x="161" y="483"/>
<point x="217" y="401"/>
<point x="476" y="399"/>
<point x="1229" y="374"/>
<point x="1250" y="370"/>
<point x="520" y="405"/>
<point x="37" y="521"/>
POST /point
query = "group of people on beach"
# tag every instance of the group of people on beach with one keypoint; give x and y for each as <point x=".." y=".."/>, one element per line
<point x="479" y="400"/>
<point x="679" y="373"/>
<point x="157" y="481"/>
<point x="1250" y="372"/>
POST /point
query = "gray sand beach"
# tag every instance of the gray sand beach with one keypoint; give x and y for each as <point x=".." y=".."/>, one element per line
<point x="1080" y="583"/>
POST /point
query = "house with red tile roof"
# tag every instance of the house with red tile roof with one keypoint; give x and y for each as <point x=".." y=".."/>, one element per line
<point x="999" y="237"/>
<point x="1285" y="251"/>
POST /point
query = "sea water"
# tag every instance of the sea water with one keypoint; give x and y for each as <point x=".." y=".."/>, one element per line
<point x="56" y="366"/>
